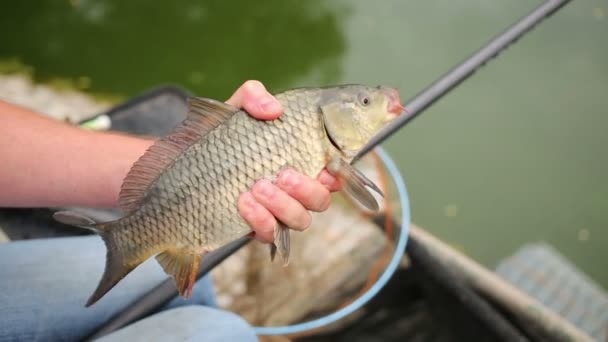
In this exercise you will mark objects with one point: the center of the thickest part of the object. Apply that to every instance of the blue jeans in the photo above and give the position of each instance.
(45, 283)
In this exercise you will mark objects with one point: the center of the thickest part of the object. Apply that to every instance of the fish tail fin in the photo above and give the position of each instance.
(116, 268)
(117, 265)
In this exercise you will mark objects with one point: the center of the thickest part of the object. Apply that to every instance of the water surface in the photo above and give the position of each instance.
(516, 154)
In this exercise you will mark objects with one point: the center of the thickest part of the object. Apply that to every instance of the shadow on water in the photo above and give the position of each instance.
(209, 47)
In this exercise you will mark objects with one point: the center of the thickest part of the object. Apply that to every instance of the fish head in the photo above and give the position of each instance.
(353, 114)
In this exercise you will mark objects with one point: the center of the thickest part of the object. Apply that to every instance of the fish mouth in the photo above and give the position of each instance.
(394, 102)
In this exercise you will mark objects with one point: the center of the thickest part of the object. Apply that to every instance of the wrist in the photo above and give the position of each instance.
(120, 151)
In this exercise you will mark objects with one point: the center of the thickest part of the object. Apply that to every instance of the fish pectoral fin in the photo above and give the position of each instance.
(182, 265)
(355, 183)
(281, 243)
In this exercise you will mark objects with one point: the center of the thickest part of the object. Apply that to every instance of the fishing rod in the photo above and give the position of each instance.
(465, 69)
(164, 292)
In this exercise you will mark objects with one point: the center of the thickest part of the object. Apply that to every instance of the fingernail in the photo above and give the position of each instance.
(289, 179)
(264, 188)
(270, 105)
(247, 199)
(326, 179)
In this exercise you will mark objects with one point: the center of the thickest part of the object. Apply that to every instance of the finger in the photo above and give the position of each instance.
(329, 181)
(257, 216)
(309, 192)
(256, 100)
(284, 207)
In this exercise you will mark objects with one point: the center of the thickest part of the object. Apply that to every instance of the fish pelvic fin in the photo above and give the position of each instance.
(355, 183)
(273, 251)
(281, 243)
(182, 265)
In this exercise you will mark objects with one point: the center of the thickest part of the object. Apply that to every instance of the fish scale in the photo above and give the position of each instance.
(181, 197)
(224, 224)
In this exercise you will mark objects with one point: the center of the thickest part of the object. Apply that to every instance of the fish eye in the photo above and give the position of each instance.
(364, 100)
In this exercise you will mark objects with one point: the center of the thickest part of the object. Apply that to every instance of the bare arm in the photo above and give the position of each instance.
(46, 163)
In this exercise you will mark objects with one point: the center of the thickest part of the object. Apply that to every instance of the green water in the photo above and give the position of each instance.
(516, 154)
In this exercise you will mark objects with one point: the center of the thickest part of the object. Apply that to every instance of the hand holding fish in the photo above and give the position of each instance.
(230, 168)
(291, 197)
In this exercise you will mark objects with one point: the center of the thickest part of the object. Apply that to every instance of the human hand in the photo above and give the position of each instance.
(294, 194)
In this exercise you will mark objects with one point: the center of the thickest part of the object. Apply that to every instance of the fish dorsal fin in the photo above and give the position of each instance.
(203, 116)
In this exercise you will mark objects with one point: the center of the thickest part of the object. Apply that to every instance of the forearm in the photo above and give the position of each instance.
(46, 163)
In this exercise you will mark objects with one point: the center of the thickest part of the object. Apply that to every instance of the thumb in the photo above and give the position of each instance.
(256, 100)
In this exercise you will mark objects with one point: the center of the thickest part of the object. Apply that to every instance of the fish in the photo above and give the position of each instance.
(180, 198)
